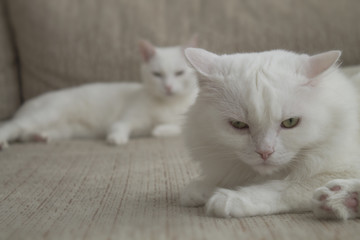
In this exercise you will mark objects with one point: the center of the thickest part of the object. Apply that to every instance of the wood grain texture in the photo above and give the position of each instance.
(88, 190)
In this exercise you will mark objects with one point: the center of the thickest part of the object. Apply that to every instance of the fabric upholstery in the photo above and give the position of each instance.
(88, 190)
(9, 82)
(70, 42)
(83, 189)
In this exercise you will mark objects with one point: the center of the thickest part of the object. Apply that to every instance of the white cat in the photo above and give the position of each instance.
(116, 111)
(268, 129)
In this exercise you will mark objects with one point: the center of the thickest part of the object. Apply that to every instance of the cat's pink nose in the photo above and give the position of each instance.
(265, 154)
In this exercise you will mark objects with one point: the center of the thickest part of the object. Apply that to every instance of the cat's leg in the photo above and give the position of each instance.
(43, 131)
(51, 134)
(338, 199)
(277, 196)
(19, 130)
(249, 201)
(166, 130)
(119, 133)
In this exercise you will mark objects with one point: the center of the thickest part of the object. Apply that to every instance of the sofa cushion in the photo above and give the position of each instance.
(88, 190)
(9, 83)
(70, 42)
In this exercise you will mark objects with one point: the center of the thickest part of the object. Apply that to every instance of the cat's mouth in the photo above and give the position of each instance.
(170, 93)
(266, 168)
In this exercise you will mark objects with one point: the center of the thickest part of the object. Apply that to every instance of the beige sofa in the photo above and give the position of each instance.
(84, 189)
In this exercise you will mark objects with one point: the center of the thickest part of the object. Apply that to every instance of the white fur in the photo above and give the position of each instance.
(116, 111)
(262, 90)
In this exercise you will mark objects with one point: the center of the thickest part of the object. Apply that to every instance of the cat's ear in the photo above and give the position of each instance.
(147, 50)
(319, 63)
(203, 61)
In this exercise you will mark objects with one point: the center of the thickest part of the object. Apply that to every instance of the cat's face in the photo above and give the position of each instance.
(165, 71)
(263, 107)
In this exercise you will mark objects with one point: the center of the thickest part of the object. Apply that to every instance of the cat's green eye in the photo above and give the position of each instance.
(290, 123)
(238, 124)
(179, 73)
(157, 74)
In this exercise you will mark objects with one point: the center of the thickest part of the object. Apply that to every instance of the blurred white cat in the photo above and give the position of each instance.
(269, 130)
(116, 111)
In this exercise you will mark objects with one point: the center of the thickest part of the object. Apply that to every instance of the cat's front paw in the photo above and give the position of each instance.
(117, 139)
(166, 130)
(337, 199)
(220, 204)
(227, 203)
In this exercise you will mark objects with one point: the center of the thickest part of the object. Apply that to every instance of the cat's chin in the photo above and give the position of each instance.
(170, 94)
(266, 169)
(167, 95)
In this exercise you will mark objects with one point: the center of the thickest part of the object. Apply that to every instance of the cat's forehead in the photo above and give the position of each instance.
(168, 59)
(259, 92)
(275, 64)
(262, 72)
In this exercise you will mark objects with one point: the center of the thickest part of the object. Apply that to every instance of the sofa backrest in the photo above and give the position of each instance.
(70, 42)
(9, 81)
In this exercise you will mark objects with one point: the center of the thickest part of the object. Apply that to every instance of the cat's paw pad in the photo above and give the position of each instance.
(40, 137)
(337, 199)
(117, 139)
(166, 131)
(194, 196)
